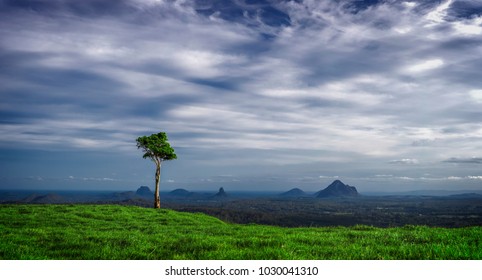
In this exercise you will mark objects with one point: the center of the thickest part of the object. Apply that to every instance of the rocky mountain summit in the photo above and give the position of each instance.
(338, 189)
(221, 193)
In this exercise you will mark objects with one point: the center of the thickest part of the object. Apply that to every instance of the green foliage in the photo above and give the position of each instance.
(128, 232)
(156, 147)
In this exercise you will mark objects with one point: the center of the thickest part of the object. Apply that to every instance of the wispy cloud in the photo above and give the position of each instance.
(404, 161)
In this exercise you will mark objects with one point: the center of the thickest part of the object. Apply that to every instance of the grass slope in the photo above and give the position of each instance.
(127, 232)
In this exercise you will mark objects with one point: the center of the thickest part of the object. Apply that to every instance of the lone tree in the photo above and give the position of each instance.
(158, 150)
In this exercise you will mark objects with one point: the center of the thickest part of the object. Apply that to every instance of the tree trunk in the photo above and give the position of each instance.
(157, 200)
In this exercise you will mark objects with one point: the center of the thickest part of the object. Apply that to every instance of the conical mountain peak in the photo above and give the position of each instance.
(337, 189)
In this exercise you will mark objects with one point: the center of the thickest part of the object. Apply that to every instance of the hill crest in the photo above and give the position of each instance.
(338, 189)
(294, 192)
(144, 191)
(221, 193)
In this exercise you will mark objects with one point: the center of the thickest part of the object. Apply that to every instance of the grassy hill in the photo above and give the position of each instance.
(128, 232)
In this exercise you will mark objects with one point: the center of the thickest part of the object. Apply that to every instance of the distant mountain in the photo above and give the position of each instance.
(294, 192)
(440, 193)
(221, 193)
(47, 199)
(120, 195)
(337, 189)
(181, 193)
(466, 195)
(144, 191)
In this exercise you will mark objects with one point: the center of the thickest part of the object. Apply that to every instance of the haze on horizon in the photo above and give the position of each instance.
(385, 95)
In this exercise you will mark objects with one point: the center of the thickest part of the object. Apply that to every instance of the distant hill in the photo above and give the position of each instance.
(120, 195)
(294, 193)
(441, 193)
(221, 193)
(181, 193)
(144, 191)
(338, 189)
(466, 195)
(47, 199)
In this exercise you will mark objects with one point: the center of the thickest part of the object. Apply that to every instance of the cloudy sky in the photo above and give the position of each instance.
(254, 95)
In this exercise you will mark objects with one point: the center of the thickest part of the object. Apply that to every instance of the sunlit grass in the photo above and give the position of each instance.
(128, 232)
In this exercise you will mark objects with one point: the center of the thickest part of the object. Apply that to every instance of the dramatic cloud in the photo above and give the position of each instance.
(256, 89)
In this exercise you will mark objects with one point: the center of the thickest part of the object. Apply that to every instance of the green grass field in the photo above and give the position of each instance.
(126, 232)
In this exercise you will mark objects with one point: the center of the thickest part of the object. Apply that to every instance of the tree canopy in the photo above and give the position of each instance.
(156, 147)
